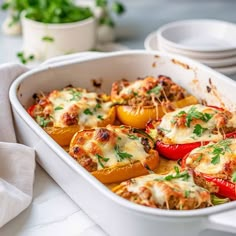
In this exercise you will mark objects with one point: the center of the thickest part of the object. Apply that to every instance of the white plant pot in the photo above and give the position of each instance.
(49, 40)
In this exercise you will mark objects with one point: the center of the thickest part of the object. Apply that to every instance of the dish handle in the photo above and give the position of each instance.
(70, 57)
(224, 221)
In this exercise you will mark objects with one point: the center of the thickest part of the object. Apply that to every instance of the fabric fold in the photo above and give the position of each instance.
(17, 161)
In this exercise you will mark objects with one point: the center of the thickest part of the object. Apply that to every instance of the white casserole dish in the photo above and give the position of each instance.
(115, 215)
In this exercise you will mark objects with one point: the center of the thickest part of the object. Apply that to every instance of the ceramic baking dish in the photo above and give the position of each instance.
(115, 215)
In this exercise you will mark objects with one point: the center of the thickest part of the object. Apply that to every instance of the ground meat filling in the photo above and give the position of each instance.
(172, 194)
(152, 91)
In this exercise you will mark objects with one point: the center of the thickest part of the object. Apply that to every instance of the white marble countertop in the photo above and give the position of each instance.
(52, 212)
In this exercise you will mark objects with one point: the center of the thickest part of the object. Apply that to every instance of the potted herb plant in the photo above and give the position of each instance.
(53, 27)
(57, 27)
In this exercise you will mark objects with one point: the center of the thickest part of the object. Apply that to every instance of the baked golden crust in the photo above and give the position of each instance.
(165, 192)
(147, 91)
(215, 159)
(63, 112)
(148, 98)
(114, 154)
(194, 123)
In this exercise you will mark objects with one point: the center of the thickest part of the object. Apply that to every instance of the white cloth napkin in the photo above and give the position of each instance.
(17, 162)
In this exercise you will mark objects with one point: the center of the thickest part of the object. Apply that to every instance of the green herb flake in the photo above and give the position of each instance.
(176, 168)
(101, 160)
(233, 179)
(23, 58)
(88, 112)
(194, 114)
(43, 122)
(219, 149)
(199, 158)
(199, 130)
(133, 137)
(178, 175)
(156, 90)
(58, 108)
(100, 117)
(187, 193)
(122, 155)
(164, 130)
(216, 159)
(98, 106)
(76, 95)
(48, 39)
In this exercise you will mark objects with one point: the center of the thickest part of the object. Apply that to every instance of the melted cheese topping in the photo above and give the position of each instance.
(161, 194)
(119, 143)
(133, 87)
(81, 104)
(213, 158)
(184, 134)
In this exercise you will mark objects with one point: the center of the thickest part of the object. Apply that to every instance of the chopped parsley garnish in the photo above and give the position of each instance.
(187, 193)
(88, 112)
(199, 158)
(76, 95)
(58, 108)
(178, 175)
(48, 39)
(122, 155)
(42, 121)
(98, 105)
(219, 148)
(233, 179)
(133, 137)
(164, 130)
(156, 90)
(216, 159)
(100, 117)
(23, 58)
(194, 114)
(101, 160)
(199, 130)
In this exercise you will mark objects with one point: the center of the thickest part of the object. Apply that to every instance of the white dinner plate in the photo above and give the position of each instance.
(228, 70)
(197, 55)
(204, 35)
(224, 65)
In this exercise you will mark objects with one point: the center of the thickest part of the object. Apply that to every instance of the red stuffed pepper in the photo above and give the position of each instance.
(214, 167)
(179, 132)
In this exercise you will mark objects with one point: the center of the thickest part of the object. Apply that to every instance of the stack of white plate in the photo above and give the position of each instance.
(211, 42)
